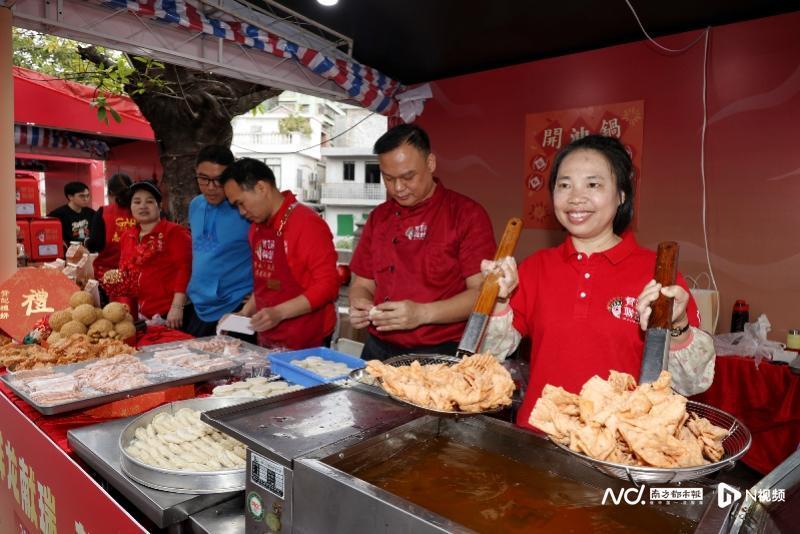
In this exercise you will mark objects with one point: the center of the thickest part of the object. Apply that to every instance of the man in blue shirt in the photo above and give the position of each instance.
(222, 274)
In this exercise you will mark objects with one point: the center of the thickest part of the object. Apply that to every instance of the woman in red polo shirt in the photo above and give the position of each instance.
(160, 252)
(586, 302)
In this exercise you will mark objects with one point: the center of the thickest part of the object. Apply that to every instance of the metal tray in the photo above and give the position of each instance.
(97, 400)
(187, 344)
(179, 481)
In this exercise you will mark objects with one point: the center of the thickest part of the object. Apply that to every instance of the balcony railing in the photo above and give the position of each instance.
(263, 138)
(353, 191)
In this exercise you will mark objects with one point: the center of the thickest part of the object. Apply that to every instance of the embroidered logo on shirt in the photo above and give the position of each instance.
(265, 249)
(624, 308)
(417, 233)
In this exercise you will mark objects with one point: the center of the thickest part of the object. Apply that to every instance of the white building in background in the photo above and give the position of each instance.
(295, 158)
(353, 185)
(331, 168)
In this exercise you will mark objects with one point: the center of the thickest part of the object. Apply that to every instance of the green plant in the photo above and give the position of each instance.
(294, 124)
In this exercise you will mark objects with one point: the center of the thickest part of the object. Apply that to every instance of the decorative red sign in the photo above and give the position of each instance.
(43, 490)
(546, 133)
(32, 294)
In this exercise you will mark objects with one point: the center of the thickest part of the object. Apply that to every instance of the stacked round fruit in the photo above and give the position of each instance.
(113, 321)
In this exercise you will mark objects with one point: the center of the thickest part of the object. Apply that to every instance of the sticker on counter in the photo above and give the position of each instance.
(255, 505)
(266, 474)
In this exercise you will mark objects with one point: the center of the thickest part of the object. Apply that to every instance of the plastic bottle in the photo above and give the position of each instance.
(793, 340)
(740, 316)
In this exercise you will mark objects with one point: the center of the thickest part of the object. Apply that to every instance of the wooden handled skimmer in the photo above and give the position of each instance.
(482, 311)
(656, 342)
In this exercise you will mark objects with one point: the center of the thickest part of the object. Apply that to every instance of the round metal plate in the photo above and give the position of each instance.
(174, 480)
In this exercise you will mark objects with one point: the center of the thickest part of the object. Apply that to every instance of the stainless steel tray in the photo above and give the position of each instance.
(179, 481)
(104, 398)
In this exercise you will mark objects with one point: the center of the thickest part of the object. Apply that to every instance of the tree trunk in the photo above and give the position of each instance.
(187, 110)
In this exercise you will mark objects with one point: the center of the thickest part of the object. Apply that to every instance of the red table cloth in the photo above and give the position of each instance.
(766, 399)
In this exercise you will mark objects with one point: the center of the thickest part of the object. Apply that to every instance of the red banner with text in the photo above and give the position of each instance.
(546, 133)
(43, 490)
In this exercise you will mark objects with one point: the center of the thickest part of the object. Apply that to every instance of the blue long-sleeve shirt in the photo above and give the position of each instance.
(222, 272)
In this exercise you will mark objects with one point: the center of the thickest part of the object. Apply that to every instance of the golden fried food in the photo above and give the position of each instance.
(64, 350)
(475, 384)
(616, 421)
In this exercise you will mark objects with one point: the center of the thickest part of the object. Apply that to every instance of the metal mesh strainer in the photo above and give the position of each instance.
(736, 445)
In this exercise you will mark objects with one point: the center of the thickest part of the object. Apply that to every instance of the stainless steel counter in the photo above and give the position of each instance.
(223, 518)
(98, 446)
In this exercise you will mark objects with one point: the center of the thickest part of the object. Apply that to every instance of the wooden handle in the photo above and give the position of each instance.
(666, 273)
(489, 288)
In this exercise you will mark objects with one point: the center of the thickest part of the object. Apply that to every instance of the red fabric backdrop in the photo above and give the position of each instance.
(766, 399)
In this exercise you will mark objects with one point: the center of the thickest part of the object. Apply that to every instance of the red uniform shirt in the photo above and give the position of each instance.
(581, 314)
(164, 258)
(117, 221)
(311, 256)
(424, 253)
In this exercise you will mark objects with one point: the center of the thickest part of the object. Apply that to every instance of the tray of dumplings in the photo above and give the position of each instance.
(170, 449)
(64, 388)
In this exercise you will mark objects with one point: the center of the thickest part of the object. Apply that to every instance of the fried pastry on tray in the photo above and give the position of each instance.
(475, 384)
(614, 420)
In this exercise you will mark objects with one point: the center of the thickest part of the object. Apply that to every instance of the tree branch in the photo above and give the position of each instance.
(246, 102)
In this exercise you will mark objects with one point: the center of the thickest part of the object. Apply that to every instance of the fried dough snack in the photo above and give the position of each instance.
(616, 421)
(475, 384)
(73, 349)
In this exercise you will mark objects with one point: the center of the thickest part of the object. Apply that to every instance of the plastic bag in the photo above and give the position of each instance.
(155, 320)
(752, 342)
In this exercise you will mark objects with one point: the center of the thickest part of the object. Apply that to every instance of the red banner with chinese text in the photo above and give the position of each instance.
(31, 294)
(44, 490)
(546, 133)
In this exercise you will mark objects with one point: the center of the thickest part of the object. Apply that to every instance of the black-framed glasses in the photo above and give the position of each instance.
(205, 180)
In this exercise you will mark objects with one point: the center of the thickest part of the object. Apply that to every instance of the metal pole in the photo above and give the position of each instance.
(8, 210)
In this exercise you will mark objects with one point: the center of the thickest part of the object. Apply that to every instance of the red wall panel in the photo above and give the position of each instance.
(752, 168)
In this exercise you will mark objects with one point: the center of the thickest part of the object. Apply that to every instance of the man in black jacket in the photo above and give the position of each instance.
(75, 215)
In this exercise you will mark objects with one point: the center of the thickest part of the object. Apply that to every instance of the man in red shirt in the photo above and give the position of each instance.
(417, 264)
(295, 282)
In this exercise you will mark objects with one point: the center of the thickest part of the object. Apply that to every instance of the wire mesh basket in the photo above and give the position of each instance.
(736, 445)
(427, 359)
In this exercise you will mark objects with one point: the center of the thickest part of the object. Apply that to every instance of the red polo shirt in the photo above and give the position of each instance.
(311, 255)
(164, 257)
(424, 253)
(581, 314)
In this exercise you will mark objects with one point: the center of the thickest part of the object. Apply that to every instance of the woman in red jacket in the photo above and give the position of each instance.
(160, 252)
(109, 223)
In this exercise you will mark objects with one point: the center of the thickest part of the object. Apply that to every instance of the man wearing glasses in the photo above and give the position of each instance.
(75, 215)
(222, 274)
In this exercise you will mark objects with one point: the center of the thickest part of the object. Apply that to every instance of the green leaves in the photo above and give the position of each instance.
(294, 123)
(100, 102)
(59, 58)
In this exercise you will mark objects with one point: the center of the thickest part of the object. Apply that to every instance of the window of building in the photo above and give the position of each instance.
(349, 171)
(344, 224)
(373, 173)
